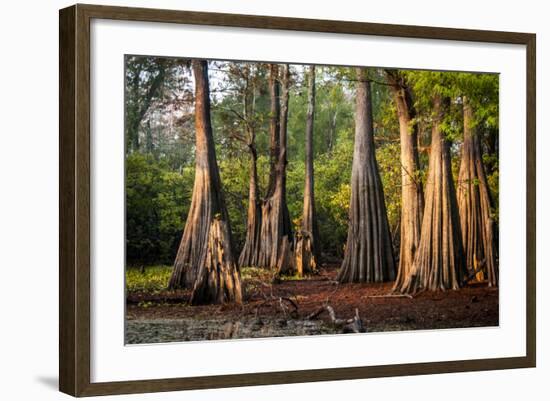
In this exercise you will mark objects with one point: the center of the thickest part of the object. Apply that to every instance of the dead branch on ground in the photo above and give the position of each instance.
(391, 296)
(353, 325)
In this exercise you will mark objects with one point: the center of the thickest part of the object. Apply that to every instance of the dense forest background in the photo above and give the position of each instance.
(160, 145)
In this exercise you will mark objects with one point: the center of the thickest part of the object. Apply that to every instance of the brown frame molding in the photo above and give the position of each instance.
(74, 199)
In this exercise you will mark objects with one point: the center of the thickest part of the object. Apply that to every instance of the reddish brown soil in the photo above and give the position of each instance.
(472, 306)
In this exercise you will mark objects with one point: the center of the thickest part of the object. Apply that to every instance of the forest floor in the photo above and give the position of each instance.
(282, 309)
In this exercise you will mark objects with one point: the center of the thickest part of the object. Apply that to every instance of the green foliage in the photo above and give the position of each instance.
(332, 193)
(234, 174)
(482, 91)
(491, 161)
(333, 114)
(157, 202)
(149, 279)
(295, 190)
(390, 173)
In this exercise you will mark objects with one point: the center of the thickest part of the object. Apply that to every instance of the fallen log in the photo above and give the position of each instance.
(280, 301)
(316, 313)
(354, 325)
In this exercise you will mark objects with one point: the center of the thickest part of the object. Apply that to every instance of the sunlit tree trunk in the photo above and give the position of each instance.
(474, 204)
(439, 261)
(204, 261)
(306, 239)
(276, 231)
(412, 198)
(368, 255)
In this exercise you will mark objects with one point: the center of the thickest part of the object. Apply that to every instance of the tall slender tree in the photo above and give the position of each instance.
(368, 256)
(283, 141)
(412, 197)
(276, 231)
(474, 204)
(274, 126)
(306, 239)
(205, 261)
(251, 250)
(439, 261)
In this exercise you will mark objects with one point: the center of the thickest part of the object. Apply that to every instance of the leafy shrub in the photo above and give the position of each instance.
(157, 202)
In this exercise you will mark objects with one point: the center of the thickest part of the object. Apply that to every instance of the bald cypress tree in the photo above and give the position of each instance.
(439, 261)
(475, 204)
(276, 230)
(251, 250)
(368, 255)
(306, 239)
(412, 196)
(205, 261)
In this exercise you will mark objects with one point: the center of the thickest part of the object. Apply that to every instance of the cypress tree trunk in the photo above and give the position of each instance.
(281, 170)
(204, 261)
(368, 256)
(412, 197)
(306, 239)
(474, 204)
(276, 228)
(274, 126)
(439, 261)
(251, 250)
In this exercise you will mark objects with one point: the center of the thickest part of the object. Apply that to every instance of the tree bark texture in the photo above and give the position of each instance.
(474, 204)
(439, 261)
(274, 126)
(218, 280)
(306, 239)
(251, 251)
(283, 143)
(205, 261)
(412, 197)
(275, 217)
(368, 255)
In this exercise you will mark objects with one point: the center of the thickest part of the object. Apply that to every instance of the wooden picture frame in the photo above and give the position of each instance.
(74, 204)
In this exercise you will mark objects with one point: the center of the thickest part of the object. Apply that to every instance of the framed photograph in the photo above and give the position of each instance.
(249, 200)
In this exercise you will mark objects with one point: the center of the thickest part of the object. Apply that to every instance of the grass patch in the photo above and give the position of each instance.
(294, 277)
(151, 279)
(154, 279)
(266, 275)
